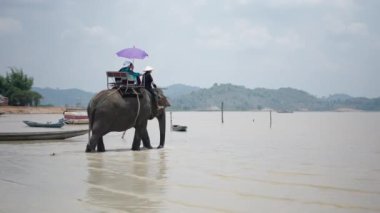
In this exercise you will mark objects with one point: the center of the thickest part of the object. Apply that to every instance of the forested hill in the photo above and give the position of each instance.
(283, 99)
(64, 97)
(184, 97)
(178, 90)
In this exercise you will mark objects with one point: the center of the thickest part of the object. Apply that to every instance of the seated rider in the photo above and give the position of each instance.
(132, 76)
(147, 80)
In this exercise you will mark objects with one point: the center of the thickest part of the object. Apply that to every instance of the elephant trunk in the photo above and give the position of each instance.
(162, 124)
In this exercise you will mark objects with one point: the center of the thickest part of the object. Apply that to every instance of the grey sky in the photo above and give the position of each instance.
(320, 46)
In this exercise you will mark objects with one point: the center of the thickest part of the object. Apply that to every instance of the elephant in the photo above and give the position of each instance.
(112, 110)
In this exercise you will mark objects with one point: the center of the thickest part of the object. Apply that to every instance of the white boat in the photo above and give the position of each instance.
(79, 117)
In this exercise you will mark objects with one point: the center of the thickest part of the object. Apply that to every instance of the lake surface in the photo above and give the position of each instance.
(307, 162)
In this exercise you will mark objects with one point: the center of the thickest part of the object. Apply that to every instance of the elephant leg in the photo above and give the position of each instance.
(101, 147)
(162, 124)
(92, 143)
(88, 148)
(136, 141)
(145, 138)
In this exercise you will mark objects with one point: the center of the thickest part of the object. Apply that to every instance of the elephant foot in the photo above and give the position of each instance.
(101, 147)
(160, 146)
(135, 148)
(148, 147)
(88, 148)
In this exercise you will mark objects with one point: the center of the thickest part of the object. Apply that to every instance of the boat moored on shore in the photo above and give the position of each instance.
(51, 135)
(59, 124)
(76, 117)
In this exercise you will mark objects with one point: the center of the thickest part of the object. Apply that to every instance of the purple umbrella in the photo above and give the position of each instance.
(132, 53)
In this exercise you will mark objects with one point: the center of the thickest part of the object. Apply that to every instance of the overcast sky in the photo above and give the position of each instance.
(320, 46)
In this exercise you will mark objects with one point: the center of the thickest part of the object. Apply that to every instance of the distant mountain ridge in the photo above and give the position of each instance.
(338, 97)
(177, 90)
(284, 99)
(183, 97)
(64, 97)
(241, 98)
(80, 98)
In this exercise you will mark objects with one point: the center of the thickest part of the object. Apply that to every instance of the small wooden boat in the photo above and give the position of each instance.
(179, 128)
(53, 135)
(79, 117)
(59, 124)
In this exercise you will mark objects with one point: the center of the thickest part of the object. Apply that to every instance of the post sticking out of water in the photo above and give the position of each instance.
(171, 121)
(222, 112)
(270, 119)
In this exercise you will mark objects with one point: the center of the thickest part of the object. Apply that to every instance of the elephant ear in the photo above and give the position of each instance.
(162, 100)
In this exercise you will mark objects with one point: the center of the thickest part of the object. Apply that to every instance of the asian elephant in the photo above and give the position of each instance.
(110, 111)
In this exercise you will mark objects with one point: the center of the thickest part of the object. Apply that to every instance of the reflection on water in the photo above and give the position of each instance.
(129, 182)
(307, 162)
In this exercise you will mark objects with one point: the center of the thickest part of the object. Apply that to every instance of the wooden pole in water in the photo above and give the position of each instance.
(270, 119)
(222, 112)
(171, 122)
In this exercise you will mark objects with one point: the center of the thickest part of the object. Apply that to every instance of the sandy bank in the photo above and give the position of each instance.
(31, 110)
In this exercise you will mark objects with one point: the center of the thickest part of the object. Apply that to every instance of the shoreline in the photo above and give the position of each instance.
(61, 110)
(31, 110)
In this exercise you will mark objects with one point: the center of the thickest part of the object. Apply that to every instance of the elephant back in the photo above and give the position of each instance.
(100, 98)
(104, 96)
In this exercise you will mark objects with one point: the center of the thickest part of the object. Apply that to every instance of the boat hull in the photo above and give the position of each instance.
(75, 117)
(179, 128)
(76, 121)
(54, 135)
(44, 125)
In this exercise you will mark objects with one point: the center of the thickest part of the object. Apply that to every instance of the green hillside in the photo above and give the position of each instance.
(283, 99)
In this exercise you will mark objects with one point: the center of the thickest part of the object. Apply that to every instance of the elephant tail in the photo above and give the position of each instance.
(90, 124)
(91, 116)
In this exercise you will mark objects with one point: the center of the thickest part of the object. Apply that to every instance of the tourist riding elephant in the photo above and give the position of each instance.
(109, 111)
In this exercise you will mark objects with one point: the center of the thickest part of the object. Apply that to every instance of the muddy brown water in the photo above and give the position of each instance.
(307, 162)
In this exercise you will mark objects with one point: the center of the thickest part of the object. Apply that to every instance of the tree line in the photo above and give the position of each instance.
(16, 86)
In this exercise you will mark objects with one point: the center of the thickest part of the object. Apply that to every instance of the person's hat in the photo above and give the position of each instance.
(127, 64)
(148, 68)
